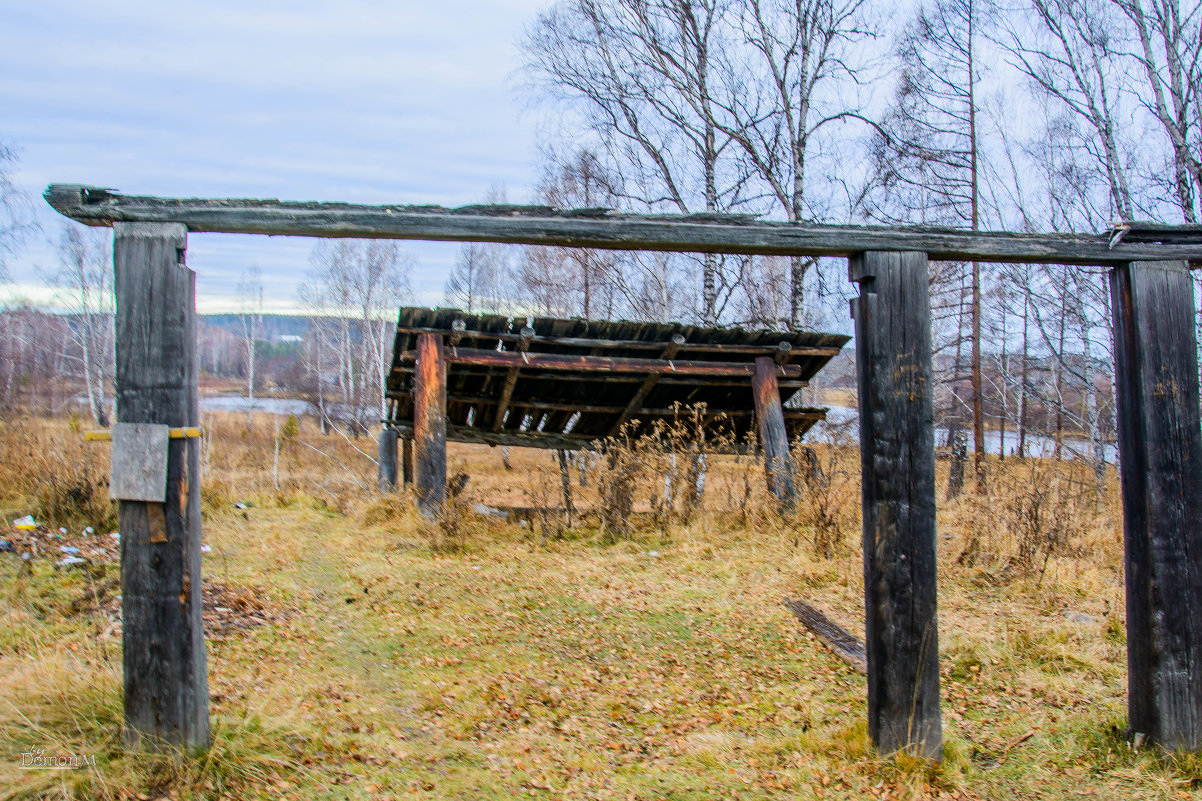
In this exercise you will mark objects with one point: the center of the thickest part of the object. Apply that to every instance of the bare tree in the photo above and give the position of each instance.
(641, 75)
(85, 287)
(16, 214)
(353, 292)
(792, 81)
(480, 281)
(1170, 56)
(250, 316)
(929, 166)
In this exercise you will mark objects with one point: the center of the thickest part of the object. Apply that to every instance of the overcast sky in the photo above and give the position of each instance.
(360, 101)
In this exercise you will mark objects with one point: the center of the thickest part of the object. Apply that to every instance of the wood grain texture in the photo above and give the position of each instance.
(596, 228)
(897, 457)
(407, 461)
(386, 461)
(430, 425)
(166, 678)
(1160, 449)
(842, 642)
(774, 439)
(603, 364)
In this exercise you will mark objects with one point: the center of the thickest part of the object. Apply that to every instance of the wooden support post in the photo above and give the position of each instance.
(670, 350)
(511, 379)
(386, 477)
(407, 461)
(897, 461)
(774, 438)
(166, 677)
(565, 479)
(430, 424)
(1160, 449)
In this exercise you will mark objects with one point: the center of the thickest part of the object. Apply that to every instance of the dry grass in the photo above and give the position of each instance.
(660, 666)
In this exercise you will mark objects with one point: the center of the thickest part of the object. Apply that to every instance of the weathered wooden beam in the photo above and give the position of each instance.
(897, 459)
(386, 478)
(774, 438)
(163, 653)
(641, 412)
(842, 642)
(630, 344)
(565, 481)
(669, 351)
(511, 379)
(595, 228)
(602, 364)
(1160, 445)
(430, 424)
(407, 461)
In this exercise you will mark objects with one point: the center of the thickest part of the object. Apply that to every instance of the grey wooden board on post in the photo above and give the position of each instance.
(897, 458)
(1160, 450)
(600, 228)
(138, 464)
(166, 697)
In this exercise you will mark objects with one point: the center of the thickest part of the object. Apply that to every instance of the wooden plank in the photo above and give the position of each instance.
(897, 458)
(430, 424)
(602, 364)
(774, 439)
(842, 642)
(641, 412)
(386, 461)
(163, 653)
(1160, 445)
(596, 228)
(634, 344)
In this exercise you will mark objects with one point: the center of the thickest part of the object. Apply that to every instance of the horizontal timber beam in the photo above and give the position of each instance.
(600, 228)
(632, 344)
(535, 405)
(607, 364)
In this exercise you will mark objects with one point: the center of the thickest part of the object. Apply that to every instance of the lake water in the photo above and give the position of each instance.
(240, 403)
(845, 421)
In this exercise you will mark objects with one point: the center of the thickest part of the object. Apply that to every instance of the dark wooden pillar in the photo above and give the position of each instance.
(166, 679)
(407, 461)
(774, 439)
(897, 458)
(430, 424)
(1160, 450)
(386, 456)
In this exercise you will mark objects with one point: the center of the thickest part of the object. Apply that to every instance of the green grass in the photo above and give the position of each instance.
(507, 668)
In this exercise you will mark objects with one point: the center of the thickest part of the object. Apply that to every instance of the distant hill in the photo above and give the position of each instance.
(274, 325)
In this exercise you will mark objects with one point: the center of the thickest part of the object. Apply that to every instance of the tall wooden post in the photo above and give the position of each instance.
(407, 461)
(1160, 450)
(774, 439)
(386, 475)
(430, 424)
(166, 678)
(897, 462)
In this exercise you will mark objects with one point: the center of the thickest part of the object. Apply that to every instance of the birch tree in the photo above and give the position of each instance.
(85, 288)
(793, 80)
(641, 75)
(250, 319)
